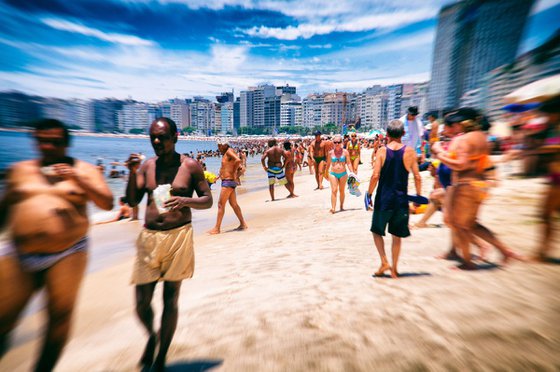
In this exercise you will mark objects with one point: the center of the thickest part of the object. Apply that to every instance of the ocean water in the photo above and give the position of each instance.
(17, 146)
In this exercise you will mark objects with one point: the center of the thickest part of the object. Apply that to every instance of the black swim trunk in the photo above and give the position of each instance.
(397, 220)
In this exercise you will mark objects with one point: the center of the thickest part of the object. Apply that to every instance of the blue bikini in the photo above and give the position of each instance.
(342, 159)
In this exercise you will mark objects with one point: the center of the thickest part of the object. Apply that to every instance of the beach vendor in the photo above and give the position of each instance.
(165, 249)
(45, 211)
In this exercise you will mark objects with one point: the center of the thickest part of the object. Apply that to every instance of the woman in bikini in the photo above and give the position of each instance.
(338, 161)
(353, 148)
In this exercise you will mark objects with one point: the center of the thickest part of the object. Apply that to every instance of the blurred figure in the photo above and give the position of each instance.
(467, 157)
(551, 200)
(45, 210)
(228, 174)
(165, 249)
(413, 130)
(390, 174)
(124, 212)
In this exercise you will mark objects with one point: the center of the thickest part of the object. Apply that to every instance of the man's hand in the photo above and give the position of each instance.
(65, 171)
(176, 203)
(133, 162)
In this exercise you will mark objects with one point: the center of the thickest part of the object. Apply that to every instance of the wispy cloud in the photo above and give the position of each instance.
(364, 23)
(65, 25)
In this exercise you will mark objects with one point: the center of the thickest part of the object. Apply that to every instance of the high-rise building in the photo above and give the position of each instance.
(285, 90)
(312, 105)
(226, 118)
(17, 109)
(136, 116)
(202, 115)
(289, 105)
(394, 98)
(372, 110)
(473, 37)
(105, 114)
(236, 115)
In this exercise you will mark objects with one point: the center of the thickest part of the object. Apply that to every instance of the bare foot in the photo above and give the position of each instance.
(241, 227)
(332, 211)
(382, 269)
(394, 273)
(511, 255)
(468, 266)
(321, 187)
(214, 231)
(148, 357)
(292, 196)
(342, 209)
(317, 188)
(450, 256)
(419, 225)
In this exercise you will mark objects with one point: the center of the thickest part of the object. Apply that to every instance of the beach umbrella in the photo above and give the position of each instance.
(536, 124)
(538, 91)
(519, 107)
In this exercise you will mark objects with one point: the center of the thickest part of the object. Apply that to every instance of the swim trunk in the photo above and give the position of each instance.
(166, 255)
(319, 159)
(276, 174)
(35, 262)
(396, 219)
(229, 183)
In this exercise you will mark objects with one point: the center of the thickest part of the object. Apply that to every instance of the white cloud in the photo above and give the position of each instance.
(68, 26)
(390, 20)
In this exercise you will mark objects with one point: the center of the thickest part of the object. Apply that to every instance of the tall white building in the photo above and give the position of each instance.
(312, 106)
(136, 116)
(202, 115)
(372, 109)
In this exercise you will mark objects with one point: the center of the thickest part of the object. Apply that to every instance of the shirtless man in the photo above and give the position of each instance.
(467, 157)
(290, 167)
(318, 152)
(275, 166)
(45, 211)
(165, 246)
(228, 174)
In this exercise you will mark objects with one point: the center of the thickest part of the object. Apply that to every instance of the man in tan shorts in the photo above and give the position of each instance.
(45, 211)
(165, 246)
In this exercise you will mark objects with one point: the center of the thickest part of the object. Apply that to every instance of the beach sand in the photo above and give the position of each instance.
(295, 292)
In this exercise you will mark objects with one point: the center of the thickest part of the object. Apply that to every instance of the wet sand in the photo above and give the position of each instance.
(296, 292)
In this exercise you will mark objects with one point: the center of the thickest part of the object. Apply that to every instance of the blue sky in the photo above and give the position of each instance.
(152, 50)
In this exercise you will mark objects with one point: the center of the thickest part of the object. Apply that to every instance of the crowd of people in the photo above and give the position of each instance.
(45, 208)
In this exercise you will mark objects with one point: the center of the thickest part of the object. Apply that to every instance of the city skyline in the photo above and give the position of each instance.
(119, 49)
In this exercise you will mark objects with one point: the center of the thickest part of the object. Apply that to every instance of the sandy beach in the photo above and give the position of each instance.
(295, 292)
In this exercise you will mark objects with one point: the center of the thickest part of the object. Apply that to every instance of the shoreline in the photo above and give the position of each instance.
(295, 292)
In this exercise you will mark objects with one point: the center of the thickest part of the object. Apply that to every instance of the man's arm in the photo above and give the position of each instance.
(311, 149)
(4, 203)
(136, 186)
(413, 166)
(348, 162)
(379, 159)
(263, 158)
(90, 180)
(204, 199)
(460, 162)
(236, 160)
